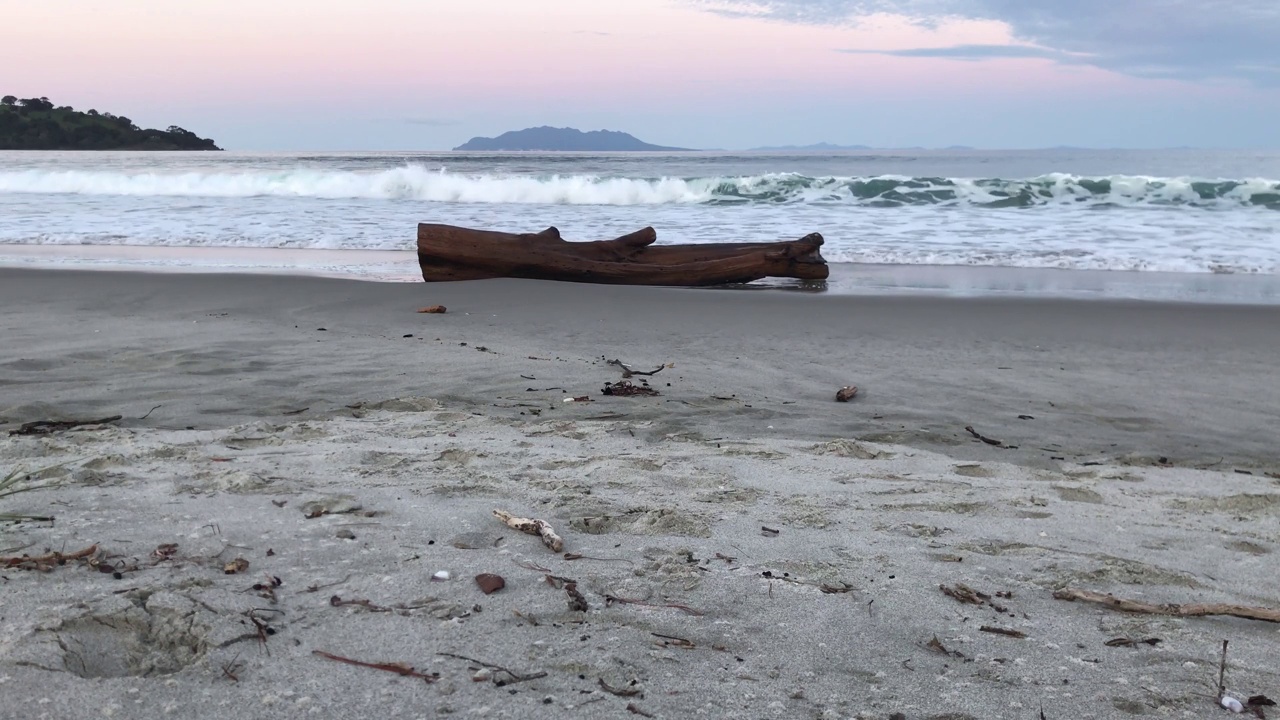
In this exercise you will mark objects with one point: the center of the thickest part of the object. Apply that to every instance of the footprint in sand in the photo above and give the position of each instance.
(1245, 546)
(1078, 494)
(850, 449)
(646, 521)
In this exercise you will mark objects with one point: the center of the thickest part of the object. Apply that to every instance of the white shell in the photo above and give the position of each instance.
(441, 575)
(1232, 704)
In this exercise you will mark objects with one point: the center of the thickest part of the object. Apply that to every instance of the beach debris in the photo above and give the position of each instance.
(963, 593)
(1255, 704)
(238, 565)
(936, 645)
(768, 531)
(47, 562)
(1008, 632)
(164, 551)
(47, 427)
(968, 595)
(635, 710)
(580, 398)
(402, 669)
(1169, 609)
(440, 576)
(628, 371)
(609, 600)
(624, 388)
(490, 583)
(434, 310)
(984, 438)
(576, 556)
(529, 526)
(1132, 642)
(846, 393)
(267, 590)
(336, 601)
(18, 481)
(263, 629)
(629, 690)
(230, 668)
(345, 534)
(512, 676)
(577, 603)
(449, 253)
(674, 641)
(318, 588)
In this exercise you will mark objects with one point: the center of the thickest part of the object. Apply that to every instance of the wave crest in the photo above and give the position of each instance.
(416, 182)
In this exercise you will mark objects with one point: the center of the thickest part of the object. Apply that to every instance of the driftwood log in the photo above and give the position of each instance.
(448, 253)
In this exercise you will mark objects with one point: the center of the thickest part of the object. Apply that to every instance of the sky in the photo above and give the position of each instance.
(731, 74)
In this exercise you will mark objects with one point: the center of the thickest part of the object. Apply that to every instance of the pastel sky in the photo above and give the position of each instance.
(429, 74)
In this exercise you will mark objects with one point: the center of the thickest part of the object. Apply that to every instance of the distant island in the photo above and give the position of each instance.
(828, 147)
(563, 140)
(816, 147)
(36, 124)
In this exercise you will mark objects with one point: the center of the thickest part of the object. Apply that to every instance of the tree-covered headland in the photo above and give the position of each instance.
(37, 124)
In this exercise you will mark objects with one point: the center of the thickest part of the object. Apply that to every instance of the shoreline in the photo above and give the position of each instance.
(400, 266)
(1112, 371)
(745, 545)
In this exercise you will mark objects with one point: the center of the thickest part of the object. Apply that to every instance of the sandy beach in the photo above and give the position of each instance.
(745, 545)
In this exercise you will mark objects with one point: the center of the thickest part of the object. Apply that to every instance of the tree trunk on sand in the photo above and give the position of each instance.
(446, 253)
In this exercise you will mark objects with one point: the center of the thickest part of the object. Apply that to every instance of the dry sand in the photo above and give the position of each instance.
(660, 500)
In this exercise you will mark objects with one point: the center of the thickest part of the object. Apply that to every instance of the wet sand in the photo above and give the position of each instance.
(1139, 466)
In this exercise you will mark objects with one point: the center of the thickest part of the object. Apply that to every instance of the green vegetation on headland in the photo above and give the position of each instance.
(35, 124)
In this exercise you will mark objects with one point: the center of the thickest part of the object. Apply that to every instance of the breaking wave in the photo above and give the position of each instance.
(417, 182)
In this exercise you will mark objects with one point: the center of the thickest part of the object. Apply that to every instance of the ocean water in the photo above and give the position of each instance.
(1171, 211)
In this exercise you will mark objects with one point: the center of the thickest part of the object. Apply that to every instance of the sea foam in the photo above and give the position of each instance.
(417, 182)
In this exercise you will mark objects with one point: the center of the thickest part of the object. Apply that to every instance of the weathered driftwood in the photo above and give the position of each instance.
(1170, 609)
(447, 253)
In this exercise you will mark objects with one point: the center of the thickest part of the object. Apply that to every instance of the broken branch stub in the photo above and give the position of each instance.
(529, 526)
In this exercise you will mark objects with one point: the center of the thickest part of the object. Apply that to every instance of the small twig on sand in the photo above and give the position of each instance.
(635, 710)
(674, 641)
(398, 668)
(1173, 610)
(264, 630)
(575, 556)
(983, 438)
(336, 601)
(627, 370)
(45, 427)
(46, 562)
(610, 599)
(144, 417)
(529, 526)
(964, 594)
(515, 676)
(230, 669)
(1222, 672)
(1003, 631)
(316, 588)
